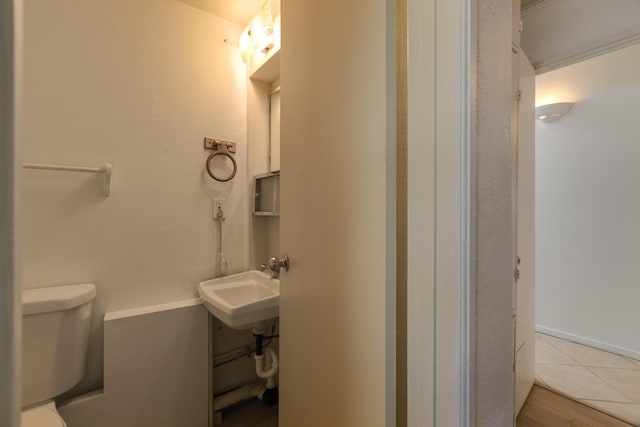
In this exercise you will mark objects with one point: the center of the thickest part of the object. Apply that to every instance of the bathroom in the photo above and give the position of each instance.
(140, 85)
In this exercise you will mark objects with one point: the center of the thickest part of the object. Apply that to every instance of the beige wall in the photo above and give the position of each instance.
(138, 83)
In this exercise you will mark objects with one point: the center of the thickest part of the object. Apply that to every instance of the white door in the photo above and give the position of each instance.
(334, 223)
(525, 289)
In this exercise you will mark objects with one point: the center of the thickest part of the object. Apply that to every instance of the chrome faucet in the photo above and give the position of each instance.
(274, 269)
(275, 264)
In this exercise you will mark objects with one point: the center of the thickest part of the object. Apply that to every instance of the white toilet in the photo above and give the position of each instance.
(55, 331)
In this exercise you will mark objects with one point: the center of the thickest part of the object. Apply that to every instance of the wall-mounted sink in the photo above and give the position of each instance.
(242, 300)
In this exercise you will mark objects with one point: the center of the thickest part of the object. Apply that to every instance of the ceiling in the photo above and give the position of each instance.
(556, 32)
(237, 11)
(560, 32)
(241, 11)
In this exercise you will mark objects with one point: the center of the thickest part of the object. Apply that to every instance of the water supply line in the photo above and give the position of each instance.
(222, 260)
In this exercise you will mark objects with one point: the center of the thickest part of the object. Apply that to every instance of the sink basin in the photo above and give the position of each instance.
(242, 300)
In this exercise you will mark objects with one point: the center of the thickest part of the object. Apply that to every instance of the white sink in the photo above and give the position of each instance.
(242, 300)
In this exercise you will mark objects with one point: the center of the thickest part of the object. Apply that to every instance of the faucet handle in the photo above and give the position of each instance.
(276, 264)
(262, 267)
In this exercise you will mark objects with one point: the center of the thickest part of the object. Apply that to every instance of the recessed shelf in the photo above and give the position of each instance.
(266, 194)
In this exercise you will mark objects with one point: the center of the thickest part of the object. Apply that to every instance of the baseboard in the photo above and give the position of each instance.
(589, 342)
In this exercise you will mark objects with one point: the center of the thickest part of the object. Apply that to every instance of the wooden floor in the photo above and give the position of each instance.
(544, 408)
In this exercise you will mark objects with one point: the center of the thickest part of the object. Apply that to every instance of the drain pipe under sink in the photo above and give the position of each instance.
(267, 393)
(269, 358)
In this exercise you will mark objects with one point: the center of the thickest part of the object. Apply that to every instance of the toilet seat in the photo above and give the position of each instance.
(44, 415)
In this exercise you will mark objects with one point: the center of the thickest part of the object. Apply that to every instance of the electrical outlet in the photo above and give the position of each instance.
(218, 205)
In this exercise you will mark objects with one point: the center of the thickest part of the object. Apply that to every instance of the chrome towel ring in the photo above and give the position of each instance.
(222, 148)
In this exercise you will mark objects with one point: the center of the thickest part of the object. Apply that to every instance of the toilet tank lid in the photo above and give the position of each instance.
(55, 298)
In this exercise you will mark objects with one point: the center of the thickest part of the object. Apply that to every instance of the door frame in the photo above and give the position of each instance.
(10, 290)
(460, 329)
(441, 211)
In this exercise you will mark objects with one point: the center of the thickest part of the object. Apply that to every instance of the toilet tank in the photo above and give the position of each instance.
(55, 332)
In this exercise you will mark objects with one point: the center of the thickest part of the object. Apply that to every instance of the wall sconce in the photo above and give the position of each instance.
(261, 35)
(553, 112)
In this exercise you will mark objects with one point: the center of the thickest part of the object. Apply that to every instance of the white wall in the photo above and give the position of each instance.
(258, 137)
(587, 201)
(138, 83)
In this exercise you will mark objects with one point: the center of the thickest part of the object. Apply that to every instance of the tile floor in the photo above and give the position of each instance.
(605, 381)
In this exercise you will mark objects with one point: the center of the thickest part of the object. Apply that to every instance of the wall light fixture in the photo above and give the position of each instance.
(553, 112)
(261, 35)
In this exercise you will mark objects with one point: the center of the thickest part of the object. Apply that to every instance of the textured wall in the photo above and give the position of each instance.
(494, 245)
(138, 84)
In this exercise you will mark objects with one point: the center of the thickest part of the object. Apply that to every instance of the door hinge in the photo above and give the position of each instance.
(516, 273)
(519, 95)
